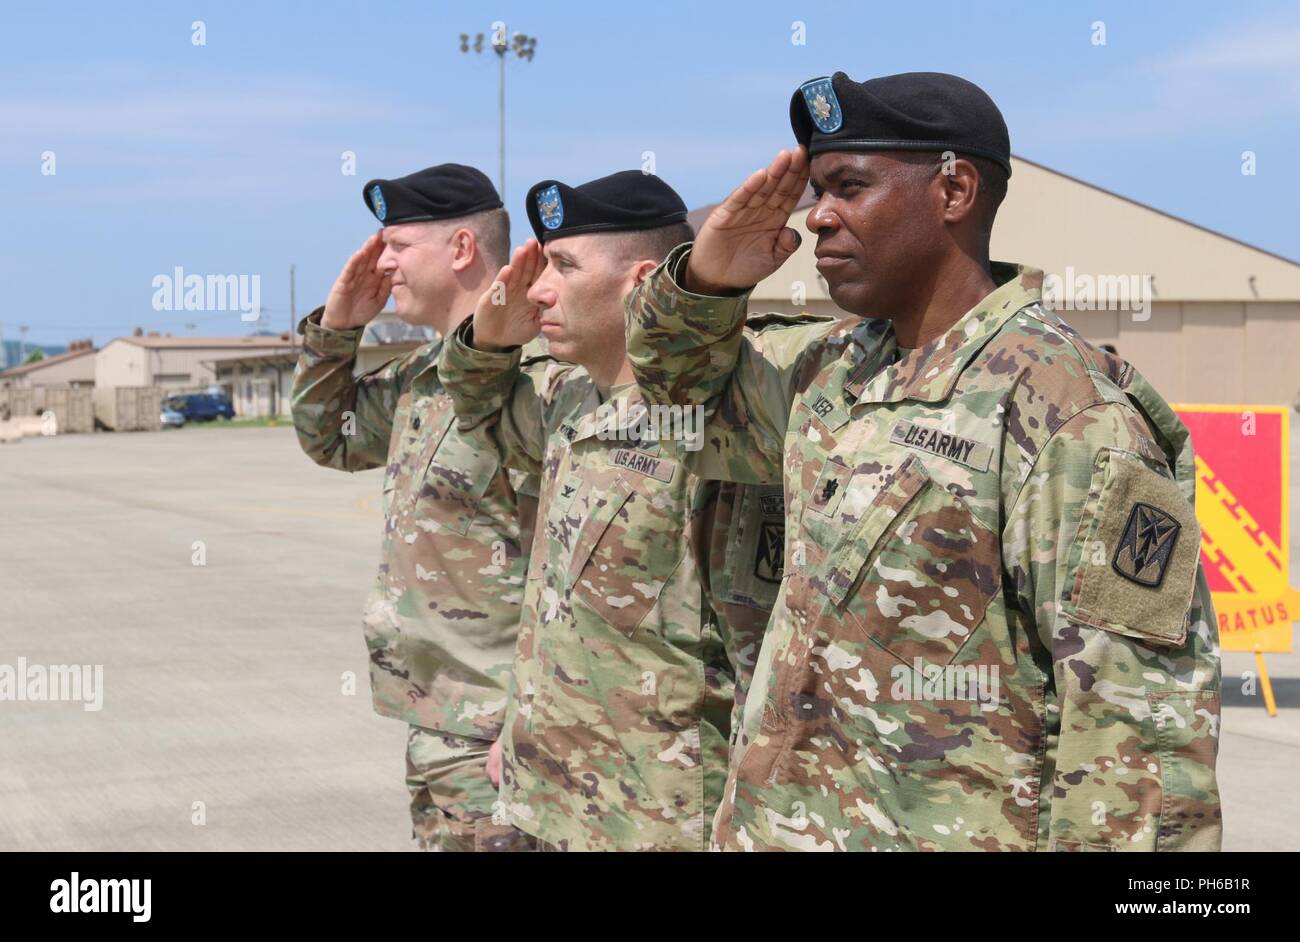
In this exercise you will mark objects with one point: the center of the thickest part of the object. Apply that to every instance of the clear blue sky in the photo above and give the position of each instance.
(225, 158)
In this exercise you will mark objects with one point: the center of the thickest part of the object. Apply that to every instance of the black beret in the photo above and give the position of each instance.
(442, 192)
(621, 202)
(927, 111)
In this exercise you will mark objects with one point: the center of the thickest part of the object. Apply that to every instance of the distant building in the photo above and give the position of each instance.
(75, 367)
(175, 362)
(1223, 320)
(261, 384)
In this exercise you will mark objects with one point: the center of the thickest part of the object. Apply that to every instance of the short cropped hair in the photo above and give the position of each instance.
(491, 229)
(993, 181)
(653, 244)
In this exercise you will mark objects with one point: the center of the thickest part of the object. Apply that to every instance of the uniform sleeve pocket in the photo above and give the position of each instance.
(1135, 557)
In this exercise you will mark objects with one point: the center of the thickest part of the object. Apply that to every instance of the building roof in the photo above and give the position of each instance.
(286, 358)
(278, 358)
(224, 343)
(26, 368)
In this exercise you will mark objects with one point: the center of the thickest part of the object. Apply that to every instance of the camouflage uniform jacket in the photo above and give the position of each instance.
(617, 730)
(442, 616)
(994, 631)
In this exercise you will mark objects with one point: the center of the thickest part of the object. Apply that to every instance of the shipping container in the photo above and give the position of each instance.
(73, 408)
(17, 401)
(128, 408)
(149, 408)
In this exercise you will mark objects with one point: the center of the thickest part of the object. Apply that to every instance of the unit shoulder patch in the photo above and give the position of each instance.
(1147, 546)
(1134, 562)
(769, 557)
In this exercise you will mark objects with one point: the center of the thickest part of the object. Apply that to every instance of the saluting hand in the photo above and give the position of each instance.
(361, 291)
(504, 316)
(746, 238)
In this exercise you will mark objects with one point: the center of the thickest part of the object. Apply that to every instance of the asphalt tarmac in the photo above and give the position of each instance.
(234, 707)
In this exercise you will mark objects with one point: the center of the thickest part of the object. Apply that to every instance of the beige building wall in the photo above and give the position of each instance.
(125, 362)
(185, 367)
(121, 363)
(1272, 368)
(74, 371)
(372, 357)
(258, 392)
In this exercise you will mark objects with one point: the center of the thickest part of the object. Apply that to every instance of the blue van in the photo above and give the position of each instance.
(200, 407)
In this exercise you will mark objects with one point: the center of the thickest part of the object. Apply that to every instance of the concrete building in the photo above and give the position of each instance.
(258, 385)
(1223, 320)
(261, 384)
(75, 367)
(175, 362)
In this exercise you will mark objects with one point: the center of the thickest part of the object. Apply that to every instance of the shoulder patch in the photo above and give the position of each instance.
(769, 557)
(1135, 559)
(1147, 545)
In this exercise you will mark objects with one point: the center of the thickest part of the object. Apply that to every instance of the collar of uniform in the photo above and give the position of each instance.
(429, 354)
(623, 408)
(929, 372)
(875, 346)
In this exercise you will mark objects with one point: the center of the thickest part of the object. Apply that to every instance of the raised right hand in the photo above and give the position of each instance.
(360, 292)
(504, 316)
(745, 238)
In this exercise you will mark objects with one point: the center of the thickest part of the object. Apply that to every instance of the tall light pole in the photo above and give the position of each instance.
(524, 47)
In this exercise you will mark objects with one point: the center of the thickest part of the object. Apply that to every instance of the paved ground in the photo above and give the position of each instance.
(223, 682)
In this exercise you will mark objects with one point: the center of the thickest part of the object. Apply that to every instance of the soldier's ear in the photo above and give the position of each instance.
(464, 249)
(643, 269)
(961, 182)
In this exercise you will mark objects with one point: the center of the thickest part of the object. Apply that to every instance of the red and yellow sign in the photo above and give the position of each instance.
(1243, 507)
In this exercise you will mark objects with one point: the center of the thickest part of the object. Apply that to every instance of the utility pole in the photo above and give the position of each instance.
(22, 344)
(524, 47)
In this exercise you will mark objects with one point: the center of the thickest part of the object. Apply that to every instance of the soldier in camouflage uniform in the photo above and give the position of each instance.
(441, 620)
(617, 732)
(994, 631)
